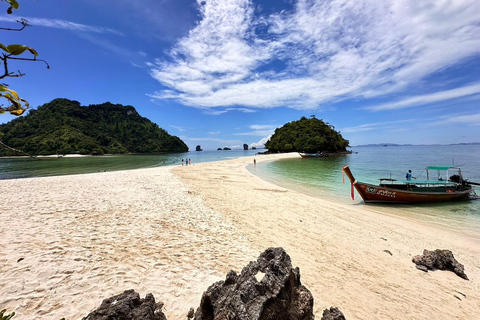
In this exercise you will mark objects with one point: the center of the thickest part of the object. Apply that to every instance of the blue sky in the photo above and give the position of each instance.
(224, 73)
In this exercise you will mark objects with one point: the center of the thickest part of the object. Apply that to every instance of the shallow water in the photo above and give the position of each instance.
(323, 178)
(14, 168)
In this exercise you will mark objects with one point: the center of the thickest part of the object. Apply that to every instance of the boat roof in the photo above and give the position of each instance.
(441, 168)
(433, 182)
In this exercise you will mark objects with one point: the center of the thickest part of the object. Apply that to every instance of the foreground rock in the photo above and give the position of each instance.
(267, 289)
(128, 306)
(332, 314)
(441, 260)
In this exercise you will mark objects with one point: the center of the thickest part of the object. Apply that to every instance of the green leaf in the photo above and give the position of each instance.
(16, 49)
(13, 3)
(16, 108)
(2, 46)
(14, 93)
(35, 53)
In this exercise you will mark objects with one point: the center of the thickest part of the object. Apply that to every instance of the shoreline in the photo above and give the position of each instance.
(410, 212)
(71, 241)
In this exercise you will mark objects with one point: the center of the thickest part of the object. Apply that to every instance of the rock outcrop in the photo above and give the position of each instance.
(266, 289)
(332, 314)
(128, 306)
(441, 260)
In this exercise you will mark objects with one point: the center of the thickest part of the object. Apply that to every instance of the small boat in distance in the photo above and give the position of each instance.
(416, 191)
(311, 155)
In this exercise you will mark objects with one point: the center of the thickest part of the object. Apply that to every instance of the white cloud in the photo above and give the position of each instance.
(385, 125)
(320, 51)
(260, 133)
(258, 130)
(263, 127)
(63, 24)
(261, 143)
(464, 119)
(181, 129)
(429, 98)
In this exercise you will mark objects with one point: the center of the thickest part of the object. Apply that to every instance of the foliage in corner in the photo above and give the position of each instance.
(4, 316)
(307, 135)
(16, 105)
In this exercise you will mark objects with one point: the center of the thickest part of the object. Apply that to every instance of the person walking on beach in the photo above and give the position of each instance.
(254, 161)
(189, 161)
(182, 162)
(409, 175)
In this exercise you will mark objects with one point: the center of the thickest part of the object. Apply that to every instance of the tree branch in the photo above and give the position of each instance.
(23, 22)
(19, 74)
(16, 150)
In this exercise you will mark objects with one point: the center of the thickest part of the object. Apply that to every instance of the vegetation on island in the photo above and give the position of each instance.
(307, 135)
(65, 127)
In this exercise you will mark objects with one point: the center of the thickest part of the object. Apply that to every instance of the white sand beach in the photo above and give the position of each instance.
(68, 242)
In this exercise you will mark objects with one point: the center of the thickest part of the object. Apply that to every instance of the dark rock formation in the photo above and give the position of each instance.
(245, 146)
(267, 289)
(441, 260)
(128, 306)
(332, 314)
(199, 148)
(190, 313)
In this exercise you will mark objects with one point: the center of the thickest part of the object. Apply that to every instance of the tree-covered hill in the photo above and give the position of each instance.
(307, 135)
(65, 127)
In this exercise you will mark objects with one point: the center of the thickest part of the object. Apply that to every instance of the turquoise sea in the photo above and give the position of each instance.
(323, 178)
(317, 177)
(13, 168)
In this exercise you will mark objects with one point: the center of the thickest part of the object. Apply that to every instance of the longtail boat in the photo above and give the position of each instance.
(416, 191)
(311, 155)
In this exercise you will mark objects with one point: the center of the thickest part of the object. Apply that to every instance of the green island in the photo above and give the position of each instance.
(307, 135)
(63, 126)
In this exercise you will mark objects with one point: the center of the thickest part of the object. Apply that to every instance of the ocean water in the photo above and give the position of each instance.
(323, 178)
(14, 168)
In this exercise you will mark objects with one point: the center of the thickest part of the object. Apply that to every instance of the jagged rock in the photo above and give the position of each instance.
(266, 289)
(332, 314)
(441, 260)
(191, 313)
(128, 306)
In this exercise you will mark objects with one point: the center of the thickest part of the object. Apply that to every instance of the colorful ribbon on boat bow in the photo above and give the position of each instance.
(351, 183)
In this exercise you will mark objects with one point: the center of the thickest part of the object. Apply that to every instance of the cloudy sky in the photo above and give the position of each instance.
(222, 73)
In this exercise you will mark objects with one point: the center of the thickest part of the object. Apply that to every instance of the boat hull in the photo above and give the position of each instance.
(311, 155)
(372, 193)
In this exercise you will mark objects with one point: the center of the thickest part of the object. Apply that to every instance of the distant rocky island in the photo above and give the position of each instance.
(63, 126)
(413, 145)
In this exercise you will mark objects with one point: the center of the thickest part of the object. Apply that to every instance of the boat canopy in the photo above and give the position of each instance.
(441, 168)
(432, 182)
